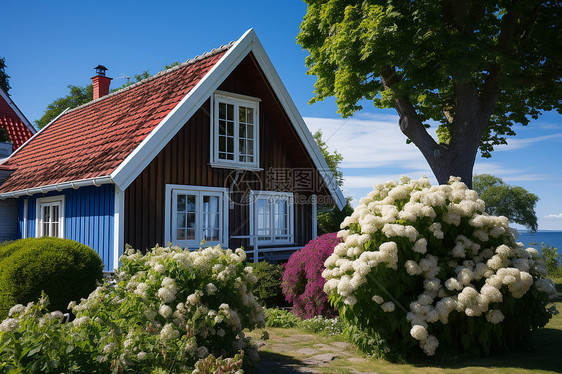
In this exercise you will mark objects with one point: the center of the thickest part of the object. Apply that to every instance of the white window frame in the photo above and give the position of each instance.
(172, 190)
(269, 195)
(236, 100)
(49, 201)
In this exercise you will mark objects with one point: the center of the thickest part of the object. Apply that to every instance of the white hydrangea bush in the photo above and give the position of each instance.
(168, 309)
(424, 266)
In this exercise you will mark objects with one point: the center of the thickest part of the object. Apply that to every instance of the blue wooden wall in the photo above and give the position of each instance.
(88, 218)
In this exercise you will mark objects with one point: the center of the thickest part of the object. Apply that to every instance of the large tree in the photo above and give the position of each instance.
(515, 203)
(476, 68)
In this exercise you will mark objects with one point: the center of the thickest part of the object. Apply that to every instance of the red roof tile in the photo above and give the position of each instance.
(94, 139)
(11, 121)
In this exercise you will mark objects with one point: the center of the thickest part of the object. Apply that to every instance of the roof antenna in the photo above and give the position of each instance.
(123, 76)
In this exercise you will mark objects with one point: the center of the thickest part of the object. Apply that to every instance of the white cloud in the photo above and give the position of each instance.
(555, 216)
(518, 143)
(369, 141)
(506, 173)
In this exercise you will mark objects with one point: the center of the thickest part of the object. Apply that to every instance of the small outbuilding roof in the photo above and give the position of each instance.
(12, 119)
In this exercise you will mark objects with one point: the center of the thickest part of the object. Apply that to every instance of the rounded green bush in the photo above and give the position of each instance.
(268, 287)
(66, 270)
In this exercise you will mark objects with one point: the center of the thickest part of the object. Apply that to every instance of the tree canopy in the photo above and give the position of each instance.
(77, 96)
(475, 68)
(4, 78)
(501, 199)
(330, 218)
(332, 159)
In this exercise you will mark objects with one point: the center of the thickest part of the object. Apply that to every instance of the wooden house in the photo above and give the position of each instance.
(212, 151)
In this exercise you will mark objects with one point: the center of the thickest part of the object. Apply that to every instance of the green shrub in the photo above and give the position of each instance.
(268, 287)
(280, 318)
(166, 312)
(66, 270)
(551, 259)
(4, 136)
(323, 325)
(422, 267)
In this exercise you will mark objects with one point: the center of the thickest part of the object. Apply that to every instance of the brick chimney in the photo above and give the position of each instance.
(100, 82)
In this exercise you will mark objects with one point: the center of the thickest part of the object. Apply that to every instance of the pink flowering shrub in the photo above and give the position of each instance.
(303, 284)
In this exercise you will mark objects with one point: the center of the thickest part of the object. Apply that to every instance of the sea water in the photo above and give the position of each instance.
(534, 239)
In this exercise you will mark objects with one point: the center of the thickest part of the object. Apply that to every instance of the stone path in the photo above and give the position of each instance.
(287, 355)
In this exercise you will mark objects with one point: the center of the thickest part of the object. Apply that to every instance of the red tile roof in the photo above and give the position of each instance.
(11, 121)
(94, 139)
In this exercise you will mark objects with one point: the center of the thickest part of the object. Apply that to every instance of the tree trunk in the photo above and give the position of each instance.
(472, 112)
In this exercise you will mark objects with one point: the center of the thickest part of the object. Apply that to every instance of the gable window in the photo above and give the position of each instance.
(196, 214)
(50, 217)
(235, 131)
(272, 217)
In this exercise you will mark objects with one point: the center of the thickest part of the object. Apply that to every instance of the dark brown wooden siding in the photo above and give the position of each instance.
(185, 161)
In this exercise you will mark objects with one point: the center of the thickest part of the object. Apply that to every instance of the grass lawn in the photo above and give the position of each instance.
(295, 348)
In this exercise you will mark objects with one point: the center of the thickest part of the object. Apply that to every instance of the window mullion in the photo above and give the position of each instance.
(198, 225)
(272, 218)
(236, 133)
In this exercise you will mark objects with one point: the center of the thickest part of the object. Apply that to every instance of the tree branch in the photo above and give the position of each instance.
(409, 123)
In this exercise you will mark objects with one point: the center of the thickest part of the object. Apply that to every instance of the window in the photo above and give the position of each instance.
(50, 216)
(272, 217)
(235, 131)
(195, 214)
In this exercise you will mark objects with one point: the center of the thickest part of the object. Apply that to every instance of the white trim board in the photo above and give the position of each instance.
(118, 226)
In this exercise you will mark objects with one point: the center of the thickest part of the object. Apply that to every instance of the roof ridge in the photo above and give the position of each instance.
(191, 61)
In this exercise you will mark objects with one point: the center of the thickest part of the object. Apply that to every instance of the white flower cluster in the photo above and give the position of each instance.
(467, 277)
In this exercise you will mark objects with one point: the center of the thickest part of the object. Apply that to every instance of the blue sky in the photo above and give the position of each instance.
(48, 45)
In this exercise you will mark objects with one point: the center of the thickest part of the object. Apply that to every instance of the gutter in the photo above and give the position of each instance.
(97, 181)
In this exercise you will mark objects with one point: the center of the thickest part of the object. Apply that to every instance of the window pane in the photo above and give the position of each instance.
(55, 212)
(230, 112)
(180, 233)
(222, 144)
(47, 214)
(181, 203)
(230, 128)
(242, 114)
(210, 204)
(242, 130)
(230, 145)
(222, 128)
(45, 228)
(250, 147)
(250, 132)
(55, 230)
(190, 234)
(250, 115)
(261, 206)
(182, 221)
(191, 203)
(191, 220)
(242, 146)
(222, 110)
